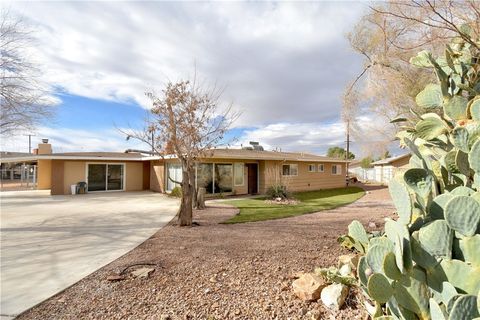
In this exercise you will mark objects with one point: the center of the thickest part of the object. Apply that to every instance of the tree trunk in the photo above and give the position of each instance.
(201, 199)
(185, 213)
(194, 189)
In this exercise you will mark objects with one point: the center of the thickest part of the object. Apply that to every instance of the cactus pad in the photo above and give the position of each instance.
(462, 214)
(474, 157)
(437, 206)
(460, 138)
(357, 232)
(379, 288)
(401, 200)
(465, 307)
(462, 191)
(390, 267)
(435, 310)
(419, 180)
(460, 274)
(375, 256)
(470, 249)
(361, 270)
(436, 238)
(456, 108)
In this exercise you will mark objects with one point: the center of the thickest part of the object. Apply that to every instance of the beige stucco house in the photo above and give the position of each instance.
(386, 169)
(223, 171)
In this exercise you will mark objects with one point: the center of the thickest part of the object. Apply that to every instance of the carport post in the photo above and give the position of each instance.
(34, 176)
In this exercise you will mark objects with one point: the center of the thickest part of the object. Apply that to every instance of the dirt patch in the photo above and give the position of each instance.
(221, 271)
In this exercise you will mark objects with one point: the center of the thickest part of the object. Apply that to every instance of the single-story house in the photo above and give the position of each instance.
(362, 174)
(386, 169)
(223, 171)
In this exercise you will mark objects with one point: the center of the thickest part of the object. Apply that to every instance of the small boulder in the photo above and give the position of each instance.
(308, 287)
(334, 295)
(345, 270)
(349, 259)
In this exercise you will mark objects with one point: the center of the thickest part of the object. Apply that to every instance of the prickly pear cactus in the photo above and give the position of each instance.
(426, 263)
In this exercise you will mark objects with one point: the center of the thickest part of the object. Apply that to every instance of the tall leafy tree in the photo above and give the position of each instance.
(338, 152)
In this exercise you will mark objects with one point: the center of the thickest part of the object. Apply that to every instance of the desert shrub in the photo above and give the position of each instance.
(176, 192)
(278, 191)
(426, 263)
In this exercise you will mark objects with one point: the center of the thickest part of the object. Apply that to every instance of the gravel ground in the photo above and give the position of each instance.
(217, 271)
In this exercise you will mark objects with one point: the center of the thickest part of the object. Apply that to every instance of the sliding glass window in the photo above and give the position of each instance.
(105, 177)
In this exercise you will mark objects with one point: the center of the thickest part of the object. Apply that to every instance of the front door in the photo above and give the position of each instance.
(252, 169)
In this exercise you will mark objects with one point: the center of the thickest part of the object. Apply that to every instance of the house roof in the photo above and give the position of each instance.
(107, 156)
(268, 155)
(390, 160)
(135, 156)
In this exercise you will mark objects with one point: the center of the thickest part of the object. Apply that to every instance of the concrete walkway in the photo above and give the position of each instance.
(50, 242)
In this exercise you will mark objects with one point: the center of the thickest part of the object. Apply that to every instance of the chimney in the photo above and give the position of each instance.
(44, 147)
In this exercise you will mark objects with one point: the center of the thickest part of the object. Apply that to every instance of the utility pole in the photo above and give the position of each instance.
(30, 142)
(347, 154)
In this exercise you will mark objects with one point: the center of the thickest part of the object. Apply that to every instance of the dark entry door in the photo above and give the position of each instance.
(252, 178)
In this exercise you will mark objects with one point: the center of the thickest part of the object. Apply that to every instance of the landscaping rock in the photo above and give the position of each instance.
(142, 272)
(345, 270)
(348, 259)
(116, 278)
(334, 295)
(308, 287)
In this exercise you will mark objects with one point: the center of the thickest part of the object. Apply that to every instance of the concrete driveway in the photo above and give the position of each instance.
(50, 242)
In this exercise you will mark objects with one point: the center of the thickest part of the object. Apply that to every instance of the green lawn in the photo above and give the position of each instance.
(311, 201)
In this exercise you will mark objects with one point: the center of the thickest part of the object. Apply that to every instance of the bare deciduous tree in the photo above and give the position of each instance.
(189, 120)
(387, 37)
(24, 99)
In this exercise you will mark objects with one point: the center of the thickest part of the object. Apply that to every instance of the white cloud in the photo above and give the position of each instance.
(73, 140)
(305, 137)
(271, 57)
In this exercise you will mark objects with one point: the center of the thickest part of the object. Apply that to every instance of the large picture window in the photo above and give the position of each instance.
(223, 178)
(105, 177)
(290, 170)
(239, 175)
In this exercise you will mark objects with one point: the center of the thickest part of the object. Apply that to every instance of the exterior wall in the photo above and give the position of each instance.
(64, 173)
(269, 173)
(74, 172)
(305, 180)
(157, 176)
(44, 174)
(134, 176)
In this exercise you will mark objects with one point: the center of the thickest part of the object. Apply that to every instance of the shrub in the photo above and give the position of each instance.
(176, 192)
(426, 264)
(278, 191)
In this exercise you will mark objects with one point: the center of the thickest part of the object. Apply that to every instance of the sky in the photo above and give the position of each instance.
(283, 65)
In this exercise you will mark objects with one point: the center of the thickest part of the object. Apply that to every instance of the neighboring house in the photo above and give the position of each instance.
(222, 171)
(386, 169)
(364, 175)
